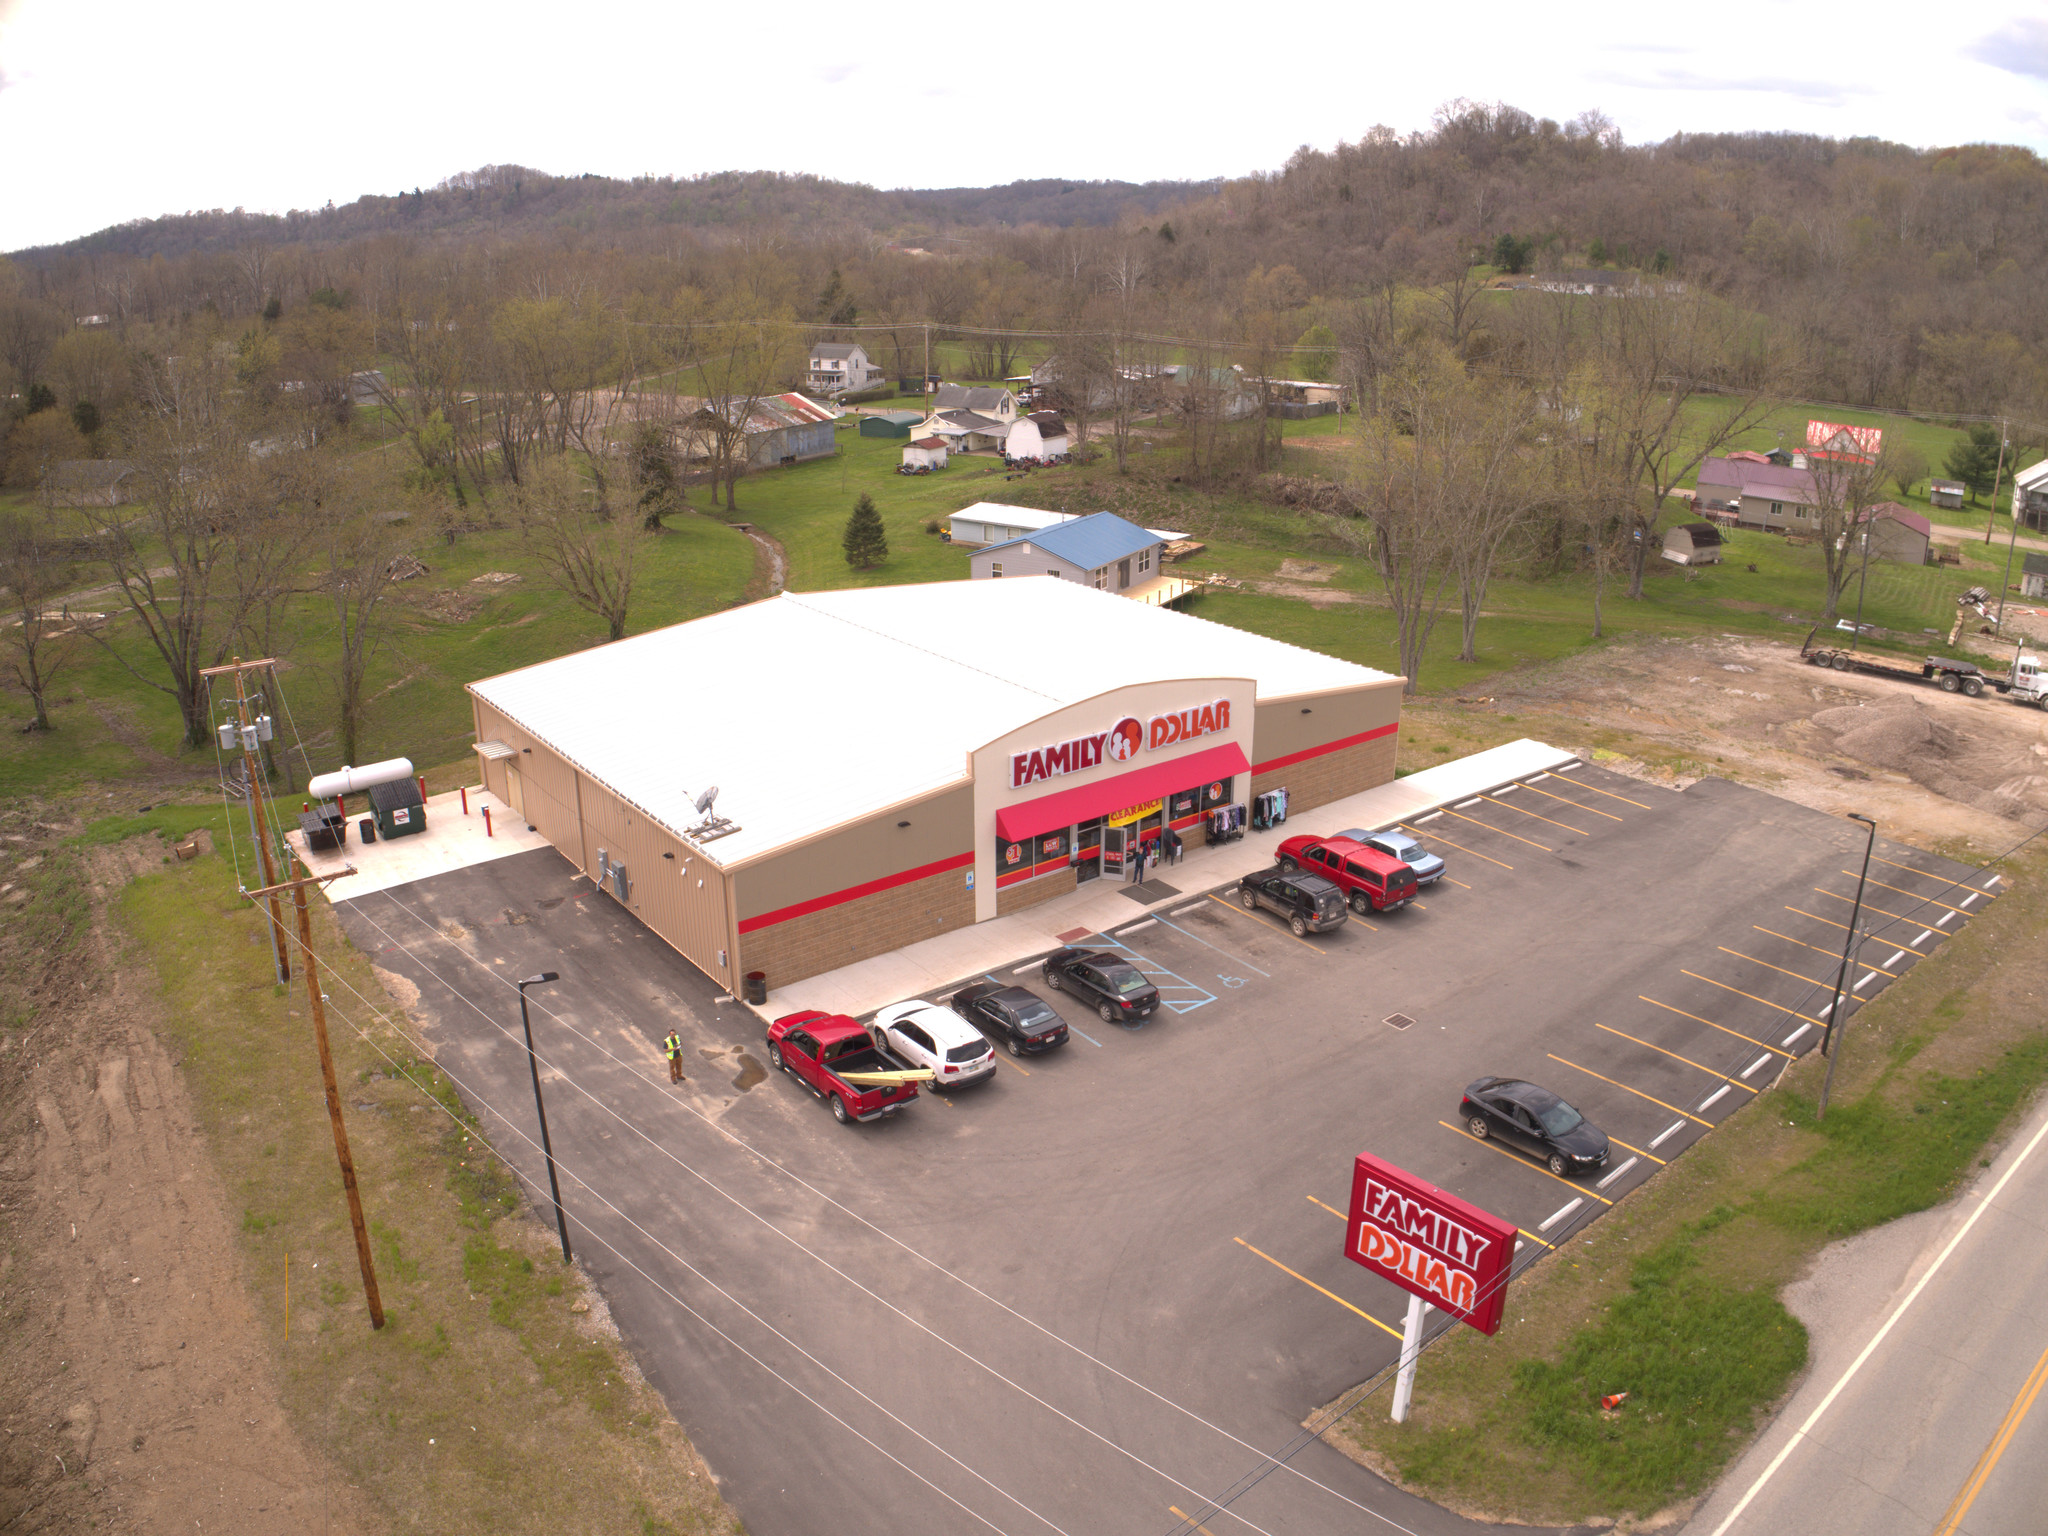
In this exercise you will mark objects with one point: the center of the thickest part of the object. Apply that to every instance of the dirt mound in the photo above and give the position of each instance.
(1314, 495)
(1901, 735)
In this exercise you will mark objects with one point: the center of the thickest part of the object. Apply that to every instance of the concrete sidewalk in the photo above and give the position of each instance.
(1004, 942)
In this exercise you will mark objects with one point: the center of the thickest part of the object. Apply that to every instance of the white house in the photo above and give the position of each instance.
(925, 453)
(2030, 496)
(1041, 435)
(992, 522)
(837, 365)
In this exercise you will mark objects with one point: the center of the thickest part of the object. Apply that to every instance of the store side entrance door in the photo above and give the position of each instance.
(1088, 850)
(515, 791)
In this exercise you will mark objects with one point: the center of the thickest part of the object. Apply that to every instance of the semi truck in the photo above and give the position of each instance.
(2024, 681)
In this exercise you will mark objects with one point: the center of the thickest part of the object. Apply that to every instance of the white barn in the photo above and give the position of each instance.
(1041, 435)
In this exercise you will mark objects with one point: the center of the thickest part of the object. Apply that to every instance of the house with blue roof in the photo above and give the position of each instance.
(1101, 551)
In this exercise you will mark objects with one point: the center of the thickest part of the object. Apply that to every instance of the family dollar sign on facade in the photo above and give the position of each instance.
(1429, 1242)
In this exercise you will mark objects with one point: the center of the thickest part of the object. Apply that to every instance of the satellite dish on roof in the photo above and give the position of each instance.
(705, 801)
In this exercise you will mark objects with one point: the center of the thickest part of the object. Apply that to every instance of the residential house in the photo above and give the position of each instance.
(2034, 576)
(989, 401)
(1693, 544)
(991, 522)
(925, 453)
(1041, 435)
(1774, 497)
(1948, 493)
(1100, 550)
(1896, 533)
(1233, 398)
(2030, 497)
(1297, 399)
(841, 365)
(780, 429)
(91, 482)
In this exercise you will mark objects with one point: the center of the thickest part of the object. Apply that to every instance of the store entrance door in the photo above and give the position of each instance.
(1118, 845)
(1088, 850)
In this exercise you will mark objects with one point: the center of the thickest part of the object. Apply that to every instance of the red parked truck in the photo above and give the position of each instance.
(1372, 880)
(817, 1049)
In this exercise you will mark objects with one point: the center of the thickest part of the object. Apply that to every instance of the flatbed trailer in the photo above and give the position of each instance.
(1946, 673)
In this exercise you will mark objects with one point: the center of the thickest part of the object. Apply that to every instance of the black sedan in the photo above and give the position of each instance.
(1020, 1019)
(1536, 1120)
(1310, 903)
(1108, 983)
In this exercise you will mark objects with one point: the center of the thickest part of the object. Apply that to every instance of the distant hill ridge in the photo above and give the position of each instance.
(513, 199)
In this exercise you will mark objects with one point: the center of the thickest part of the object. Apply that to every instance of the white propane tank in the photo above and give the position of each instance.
(349, 781)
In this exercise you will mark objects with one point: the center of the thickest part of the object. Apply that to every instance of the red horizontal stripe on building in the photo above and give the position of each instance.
(854, 893)
(1333, 746)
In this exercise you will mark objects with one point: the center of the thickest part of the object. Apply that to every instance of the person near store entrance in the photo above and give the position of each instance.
(1170, 840)
(674, 1046)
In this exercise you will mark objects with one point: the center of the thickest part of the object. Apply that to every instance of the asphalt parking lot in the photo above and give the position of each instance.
(1097, 1290)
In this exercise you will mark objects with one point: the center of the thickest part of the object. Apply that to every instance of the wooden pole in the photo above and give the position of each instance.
(240, 669)
(341, 1152)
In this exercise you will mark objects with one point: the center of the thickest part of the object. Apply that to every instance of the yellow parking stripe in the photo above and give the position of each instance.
(1330, 1208)
(1752, 959)
(1231, 906)
(1710, 1071)
(1624, 1087)
(1461, 885)
(1880, 911)
(1496, 831)
(1639, 1152)
(1963, 911)
(1774, 1007)
(1539, 1242)
(1175, 1509)
(1624, 799)
(1760, 928)
(1738, 1034)
(1304, 1279)
(1008, 1063)
(1439, 837)
(1572, 803)
(1520, 812)
(1517, 1157)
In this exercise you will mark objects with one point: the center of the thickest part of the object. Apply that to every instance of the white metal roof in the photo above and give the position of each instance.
(1025, 519)
(814, 709)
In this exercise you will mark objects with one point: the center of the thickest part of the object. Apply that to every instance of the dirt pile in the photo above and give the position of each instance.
(1899, 734)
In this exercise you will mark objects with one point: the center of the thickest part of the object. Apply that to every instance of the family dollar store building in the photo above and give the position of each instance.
(897, 761)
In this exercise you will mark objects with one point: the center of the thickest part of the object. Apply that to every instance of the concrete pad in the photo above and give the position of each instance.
(452, 841)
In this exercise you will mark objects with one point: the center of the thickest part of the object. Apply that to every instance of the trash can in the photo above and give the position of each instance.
(400, 811)
(368, 827)
(756, 988)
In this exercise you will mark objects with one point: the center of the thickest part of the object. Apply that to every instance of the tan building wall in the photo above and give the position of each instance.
(859, 929)
(1331, 776)
(1029, 893)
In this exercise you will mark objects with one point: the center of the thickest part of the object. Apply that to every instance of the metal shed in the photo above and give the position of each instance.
(890, 424)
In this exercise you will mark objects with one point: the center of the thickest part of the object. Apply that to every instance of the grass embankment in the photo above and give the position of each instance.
(488, 1402)
(1672, 1296)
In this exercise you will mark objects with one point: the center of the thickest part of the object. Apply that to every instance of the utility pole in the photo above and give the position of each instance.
(318, 1002)
(1991, 517)
(247, 735)
(1827, 1043)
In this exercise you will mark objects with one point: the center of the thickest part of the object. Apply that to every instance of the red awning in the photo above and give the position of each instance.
(1104, 797)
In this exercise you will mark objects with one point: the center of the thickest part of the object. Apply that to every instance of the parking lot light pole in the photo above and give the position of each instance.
(533, 1066)
(1827, 1044)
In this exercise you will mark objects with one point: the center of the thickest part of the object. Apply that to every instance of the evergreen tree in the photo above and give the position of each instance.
(1974, 460)
(865, 543)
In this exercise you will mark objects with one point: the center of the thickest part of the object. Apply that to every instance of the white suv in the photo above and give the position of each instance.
(926, 1035)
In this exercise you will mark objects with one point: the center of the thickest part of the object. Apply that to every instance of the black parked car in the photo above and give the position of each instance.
(1310, 903)
(1536, 1120)
(1021, 1019)
(1109, 983)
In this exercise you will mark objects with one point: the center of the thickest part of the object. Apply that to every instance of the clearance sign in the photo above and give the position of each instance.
(1429, 1242)
(1120, 743)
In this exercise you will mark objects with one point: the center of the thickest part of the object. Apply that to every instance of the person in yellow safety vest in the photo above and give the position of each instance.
(674, 1046)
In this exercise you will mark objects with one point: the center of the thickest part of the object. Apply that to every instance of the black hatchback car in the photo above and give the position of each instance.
(1108, 983)
(1310, 903)
(1536, 1120)
(1021, 1019)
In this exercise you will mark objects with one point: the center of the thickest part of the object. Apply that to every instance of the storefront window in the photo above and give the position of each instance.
(1054, 845)
(1217, 792)
(1011, 857)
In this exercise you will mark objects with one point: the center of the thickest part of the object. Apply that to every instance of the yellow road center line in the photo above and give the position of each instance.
(1760, 928)
(1738, 1034)
(1231, 906)
(1774, 1007)
(1304, 1279)
(1639, 1152)
(1624, 799)
(1520, 812)
(1914, 894)
(1572, 803)
(1752, 959)
(1624, 1087)
(1330, 1208)
(1952, 1517)
(1439, 837)
(1710, 1071)
(1516, 1157)
(1496, 831)
(1175, 1509)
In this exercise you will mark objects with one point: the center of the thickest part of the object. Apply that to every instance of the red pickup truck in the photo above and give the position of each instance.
(814, 1048)
(1372, 879)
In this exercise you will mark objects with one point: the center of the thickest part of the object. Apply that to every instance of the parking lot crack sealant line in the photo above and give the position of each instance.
(879, 1231)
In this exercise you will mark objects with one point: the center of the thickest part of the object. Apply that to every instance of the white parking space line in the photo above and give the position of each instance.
(1895, 959)
(1432, 816)
(1570, 767)
(1558, 1215)
(1751, 1069)
(1830, 1008)
(1150, 922)
(1944, 920)
(1925, 935)
(1802, 1029)
(1184, 911)
(1971, 897)
(1463, 803)
(1021, 969)
(1663, 1135)
(1624, 1168)
(1988, 884)
(1507, 789)
(1868, 978)
(1718, 1093)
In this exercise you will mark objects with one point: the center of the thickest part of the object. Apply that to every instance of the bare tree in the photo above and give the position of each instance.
(1845, 488)
(1500, 490)
(363, 551)
(590, 558)
(39, 645)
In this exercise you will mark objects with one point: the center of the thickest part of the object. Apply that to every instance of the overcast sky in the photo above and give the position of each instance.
(115, 109)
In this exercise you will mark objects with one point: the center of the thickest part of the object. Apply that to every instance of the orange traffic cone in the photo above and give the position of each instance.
(1612, 1401)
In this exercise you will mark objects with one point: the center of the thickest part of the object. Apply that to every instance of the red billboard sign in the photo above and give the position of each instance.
(1429, 1242)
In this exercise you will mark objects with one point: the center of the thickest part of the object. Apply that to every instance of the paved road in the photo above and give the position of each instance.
(1915, 1417)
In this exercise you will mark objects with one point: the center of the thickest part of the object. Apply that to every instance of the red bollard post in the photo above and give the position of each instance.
(423, 789)
(465, 801)
(341, 806)
(487, 823)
